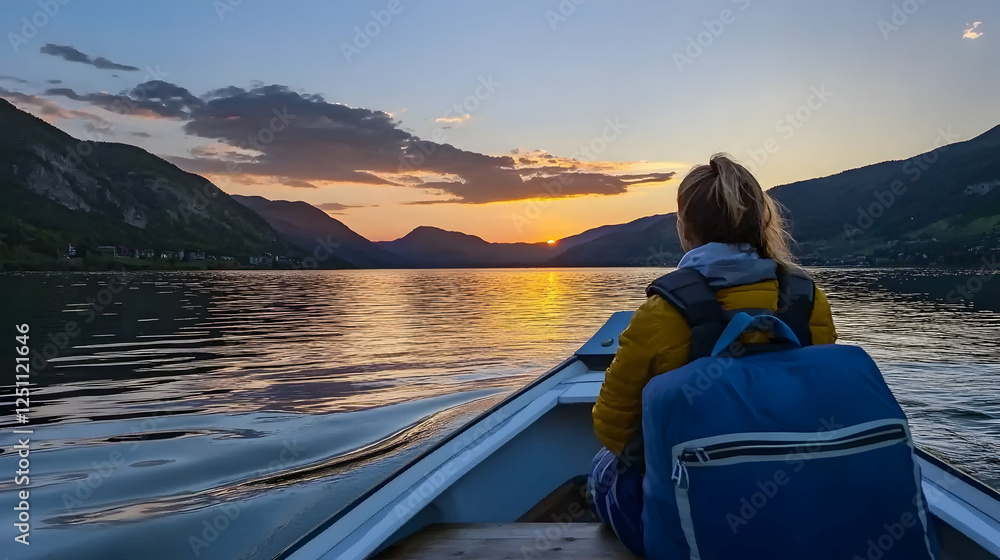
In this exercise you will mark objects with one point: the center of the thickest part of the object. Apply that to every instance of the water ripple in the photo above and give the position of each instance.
(285, 394)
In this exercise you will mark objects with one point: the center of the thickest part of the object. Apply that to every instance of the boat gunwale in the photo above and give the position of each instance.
(340, 514)
(966, 504)
(317, 532)
(960, 474)
(963, 476)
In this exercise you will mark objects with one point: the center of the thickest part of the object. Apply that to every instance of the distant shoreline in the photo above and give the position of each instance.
(211, 266)
(111, 264)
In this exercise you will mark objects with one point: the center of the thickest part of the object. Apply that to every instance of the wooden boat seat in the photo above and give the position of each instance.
(510, 541)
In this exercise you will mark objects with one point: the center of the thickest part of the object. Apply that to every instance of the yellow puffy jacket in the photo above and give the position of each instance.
(658, 340)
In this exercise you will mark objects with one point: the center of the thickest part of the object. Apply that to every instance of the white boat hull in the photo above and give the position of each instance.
(500, 465)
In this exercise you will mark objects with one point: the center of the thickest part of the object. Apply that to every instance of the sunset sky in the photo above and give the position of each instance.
(514, 120)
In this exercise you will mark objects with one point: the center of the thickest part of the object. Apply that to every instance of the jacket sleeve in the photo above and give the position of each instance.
(821, 320)
(657, 340)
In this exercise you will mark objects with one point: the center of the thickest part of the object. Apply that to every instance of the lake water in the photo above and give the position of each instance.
(272, 399)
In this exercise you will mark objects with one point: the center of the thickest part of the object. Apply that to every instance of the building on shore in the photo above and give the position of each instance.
(126, 252)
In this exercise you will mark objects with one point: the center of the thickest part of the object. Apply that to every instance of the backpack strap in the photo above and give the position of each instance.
(796, 298)
(688, 291)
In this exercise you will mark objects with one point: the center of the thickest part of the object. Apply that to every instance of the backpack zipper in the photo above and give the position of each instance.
(766, 449)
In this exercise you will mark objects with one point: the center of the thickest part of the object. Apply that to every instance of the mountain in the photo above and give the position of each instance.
(597, 232)
(649, 241)
(318, 234)
(434, 247)
(944, 203)
(56, 190)
(939, 206)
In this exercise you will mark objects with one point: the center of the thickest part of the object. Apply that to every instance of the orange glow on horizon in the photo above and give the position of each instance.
(381, 213)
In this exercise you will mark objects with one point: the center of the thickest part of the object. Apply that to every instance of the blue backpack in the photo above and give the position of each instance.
(776, 451)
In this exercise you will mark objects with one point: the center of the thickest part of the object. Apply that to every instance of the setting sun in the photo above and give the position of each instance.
(551, 241)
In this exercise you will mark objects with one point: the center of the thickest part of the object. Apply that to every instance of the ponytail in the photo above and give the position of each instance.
(723, 202)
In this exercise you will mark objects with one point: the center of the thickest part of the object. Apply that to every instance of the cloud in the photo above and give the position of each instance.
(73, 55)
(154, 99)
(224, 152)
(105, 130)
(40, 105)
(971, 33)
(501, 186)
(301, 140)
(308, 138)
(13, 79)
(301, 136)
(229, 91)
(533, 161)
(53, 81)
(453, 120)
(430, 202)
(49, 110)
(647, 178)
(334, 207)
(297, 183)
(142, 134)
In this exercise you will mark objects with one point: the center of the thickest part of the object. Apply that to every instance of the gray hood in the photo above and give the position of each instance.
(729, 264)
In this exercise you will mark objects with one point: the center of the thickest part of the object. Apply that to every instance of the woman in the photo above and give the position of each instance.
(733, 234)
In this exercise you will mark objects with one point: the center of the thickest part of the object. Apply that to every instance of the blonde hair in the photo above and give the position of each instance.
(723, 202)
